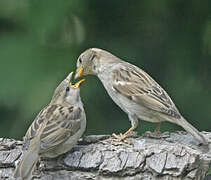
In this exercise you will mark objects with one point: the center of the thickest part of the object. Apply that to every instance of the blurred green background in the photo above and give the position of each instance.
(40, 41)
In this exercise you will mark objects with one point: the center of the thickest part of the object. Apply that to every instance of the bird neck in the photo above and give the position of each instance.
(78, 102)
(104, 66)
(67, 104)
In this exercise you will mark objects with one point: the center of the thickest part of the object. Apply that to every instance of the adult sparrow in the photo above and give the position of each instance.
(55, 130)
(133, 90)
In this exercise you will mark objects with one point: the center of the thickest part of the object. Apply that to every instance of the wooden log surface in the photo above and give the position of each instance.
(99, 157)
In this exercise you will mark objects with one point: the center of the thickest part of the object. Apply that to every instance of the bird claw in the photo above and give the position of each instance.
(155, 135)
(156, 131)
(121, 138)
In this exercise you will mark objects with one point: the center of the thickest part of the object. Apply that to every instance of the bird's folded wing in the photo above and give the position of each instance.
(35, 127)
(135, 84)
(53, 126)
(60, 128)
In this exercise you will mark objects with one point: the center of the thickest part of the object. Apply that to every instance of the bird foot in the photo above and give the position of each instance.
(157, 131)
(156, 135)
(121, 138)
(153, 133)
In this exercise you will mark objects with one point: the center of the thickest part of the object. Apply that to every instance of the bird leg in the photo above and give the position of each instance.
(134, 124)
(122, 137)
(157, 129)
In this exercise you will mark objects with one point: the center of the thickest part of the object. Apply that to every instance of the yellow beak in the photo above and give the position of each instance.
(79, 72)
(78, 84)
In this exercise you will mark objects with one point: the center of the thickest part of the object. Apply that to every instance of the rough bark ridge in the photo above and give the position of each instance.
(167, 156)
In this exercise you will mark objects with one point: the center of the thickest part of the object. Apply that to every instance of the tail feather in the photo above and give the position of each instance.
(192, 130)
(26, 165)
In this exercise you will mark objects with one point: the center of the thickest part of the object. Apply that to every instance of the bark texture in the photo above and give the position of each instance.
(168, 156)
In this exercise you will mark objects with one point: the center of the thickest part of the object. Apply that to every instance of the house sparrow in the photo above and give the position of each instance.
(55, 130)
(133, 90)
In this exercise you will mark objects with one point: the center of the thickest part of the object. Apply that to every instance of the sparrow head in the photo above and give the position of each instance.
(92, 60)
(67, 92)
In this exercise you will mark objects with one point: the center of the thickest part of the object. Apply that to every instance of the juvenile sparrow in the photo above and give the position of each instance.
(55, 130)
(133, 90)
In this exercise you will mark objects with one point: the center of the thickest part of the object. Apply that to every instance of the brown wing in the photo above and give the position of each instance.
(60, 127)
(138, 86)
(34, 128)
(54, 125)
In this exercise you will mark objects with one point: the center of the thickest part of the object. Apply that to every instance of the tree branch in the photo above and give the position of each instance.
(165, 156)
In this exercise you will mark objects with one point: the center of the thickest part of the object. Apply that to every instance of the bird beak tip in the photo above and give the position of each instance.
(79, 72)
(78, 84)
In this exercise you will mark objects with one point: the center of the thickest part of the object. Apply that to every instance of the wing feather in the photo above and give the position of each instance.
(137, 85)
(59, 129)
(54, 125)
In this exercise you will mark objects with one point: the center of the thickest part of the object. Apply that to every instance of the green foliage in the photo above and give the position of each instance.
(41, 40)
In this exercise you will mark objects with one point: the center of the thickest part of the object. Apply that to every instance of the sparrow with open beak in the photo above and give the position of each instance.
(133, 90)
(55, 130)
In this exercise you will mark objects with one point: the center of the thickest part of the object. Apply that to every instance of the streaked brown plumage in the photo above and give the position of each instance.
(142, 89)
(55, 130)
(133, 90)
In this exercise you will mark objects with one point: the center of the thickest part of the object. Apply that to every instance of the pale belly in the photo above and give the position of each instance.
(130, 107)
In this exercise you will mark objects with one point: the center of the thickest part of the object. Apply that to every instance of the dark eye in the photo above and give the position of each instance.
(67, 89)
(80, 60)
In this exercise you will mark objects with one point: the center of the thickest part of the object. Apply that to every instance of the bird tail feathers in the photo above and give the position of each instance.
(192, 130)
(26, 165)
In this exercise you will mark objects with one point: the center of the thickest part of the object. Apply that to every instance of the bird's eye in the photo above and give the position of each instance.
(67, 89)
(80, 60)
